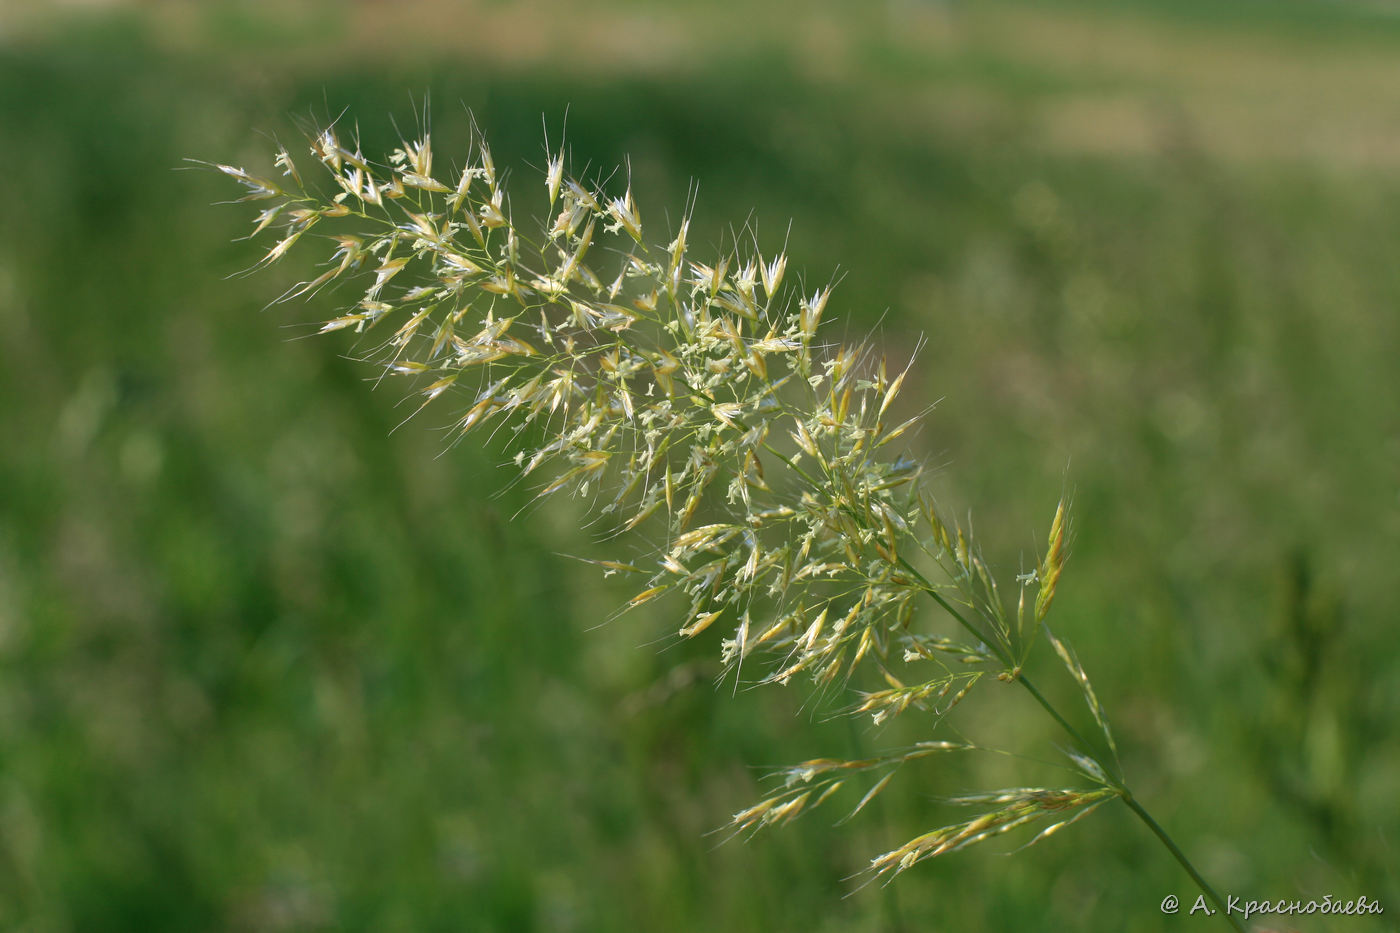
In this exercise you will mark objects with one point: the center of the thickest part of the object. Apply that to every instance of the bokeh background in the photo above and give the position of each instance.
(266, 666)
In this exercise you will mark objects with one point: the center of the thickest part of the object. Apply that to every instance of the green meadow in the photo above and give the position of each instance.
(272, 659)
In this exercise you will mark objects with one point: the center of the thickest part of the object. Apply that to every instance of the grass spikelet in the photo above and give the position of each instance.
(1013, 809)
(1053, 563)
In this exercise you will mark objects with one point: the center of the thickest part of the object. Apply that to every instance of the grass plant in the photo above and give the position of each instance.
(757, 473)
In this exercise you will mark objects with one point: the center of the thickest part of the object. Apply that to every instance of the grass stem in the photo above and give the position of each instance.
(1125, 794)
(1181, 858)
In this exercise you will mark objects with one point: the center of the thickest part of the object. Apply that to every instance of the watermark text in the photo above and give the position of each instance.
(1245, 909)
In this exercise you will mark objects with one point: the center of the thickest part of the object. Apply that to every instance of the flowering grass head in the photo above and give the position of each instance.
(699, 397)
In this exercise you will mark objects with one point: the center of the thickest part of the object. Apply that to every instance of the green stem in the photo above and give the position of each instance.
(1180, 856)
(1127, 797)
(1064, 724)
(1123, 792)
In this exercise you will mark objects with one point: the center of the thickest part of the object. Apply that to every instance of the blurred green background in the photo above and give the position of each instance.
(264, 666)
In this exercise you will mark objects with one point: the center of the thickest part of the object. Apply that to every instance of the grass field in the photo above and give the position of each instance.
(266, 666)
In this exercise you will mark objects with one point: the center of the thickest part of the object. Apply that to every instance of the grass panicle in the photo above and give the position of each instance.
(699, 396)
